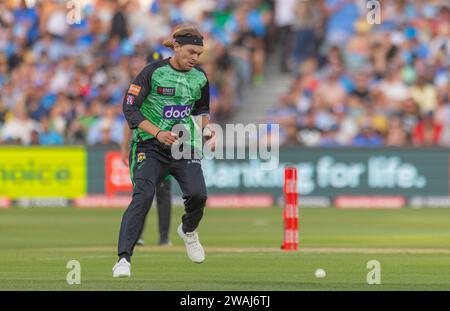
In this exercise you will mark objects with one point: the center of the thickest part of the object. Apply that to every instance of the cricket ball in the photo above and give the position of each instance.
(320, 273)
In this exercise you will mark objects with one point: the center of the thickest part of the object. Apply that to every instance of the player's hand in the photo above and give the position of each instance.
(124, 152)
(167, 138)
(210, 137)
(208, 132)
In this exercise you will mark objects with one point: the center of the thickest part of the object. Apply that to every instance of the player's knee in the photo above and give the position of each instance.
(198, 199)
(147, 197)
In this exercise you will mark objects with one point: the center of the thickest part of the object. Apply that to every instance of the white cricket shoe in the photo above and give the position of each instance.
(193, 247)
(122, 269)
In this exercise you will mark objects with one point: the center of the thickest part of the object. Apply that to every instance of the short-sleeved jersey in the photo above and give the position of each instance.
(166, 96)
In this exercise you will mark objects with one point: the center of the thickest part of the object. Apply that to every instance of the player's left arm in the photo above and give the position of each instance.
(201, 109)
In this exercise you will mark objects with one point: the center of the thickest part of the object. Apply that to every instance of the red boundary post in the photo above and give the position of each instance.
(290, 211)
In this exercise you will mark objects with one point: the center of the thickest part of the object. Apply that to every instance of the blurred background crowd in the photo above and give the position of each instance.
(358, 84)
(353, 83)
(63, 83)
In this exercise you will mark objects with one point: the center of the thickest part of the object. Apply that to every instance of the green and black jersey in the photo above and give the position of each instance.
(166, 96)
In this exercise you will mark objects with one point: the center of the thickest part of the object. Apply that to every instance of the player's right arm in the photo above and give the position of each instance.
(125, 147)
(132, 102)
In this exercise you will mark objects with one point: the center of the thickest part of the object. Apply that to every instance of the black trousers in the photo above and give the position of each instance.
(164, 208)
(150, 163)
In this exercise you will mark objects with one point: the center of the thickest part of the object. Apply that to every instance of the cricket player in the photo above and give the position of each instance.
(166, 93)
(163, 189)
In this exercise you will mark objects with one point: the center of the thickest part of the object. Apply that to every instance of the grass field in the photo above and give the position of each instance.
(242, 250)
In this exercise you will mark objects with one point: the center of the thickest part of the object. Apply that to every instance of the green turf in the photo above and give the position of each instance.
(242, 248)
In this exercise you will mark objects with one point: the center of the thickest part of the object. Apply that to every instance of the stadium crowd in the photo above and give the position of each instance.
(62, 80)
(361, 84)
(354, 83)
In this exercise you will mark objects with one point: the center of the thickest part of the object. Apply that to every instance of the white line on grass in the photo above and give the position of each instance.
(147, 251)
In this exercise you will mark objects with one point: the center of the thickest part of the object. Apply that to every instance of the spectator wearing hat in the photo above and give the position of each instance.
(367, 136)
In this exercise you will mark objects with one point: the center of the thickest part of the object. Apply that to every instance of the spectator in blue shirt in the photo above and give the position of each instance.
(342, 15)
(27, 17)
(367, 137)
(49, 136)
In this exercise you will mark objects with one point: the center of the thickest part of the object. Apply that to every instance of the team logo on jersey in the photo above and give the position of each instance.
(130, 100)
(176, 112)
(134, 89)
(165, 91)
(141, 157)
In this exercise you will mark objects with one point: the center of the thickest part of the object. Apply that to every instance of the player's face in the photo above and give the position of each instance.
(187, 55)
